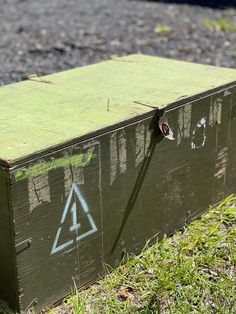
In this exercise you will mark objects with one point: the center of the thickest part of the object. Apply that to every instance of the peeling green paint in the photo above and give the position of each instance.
(79, 160)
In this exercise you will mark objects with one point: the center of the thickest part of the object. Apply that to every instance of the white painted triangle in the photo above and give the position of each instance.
(71, 209)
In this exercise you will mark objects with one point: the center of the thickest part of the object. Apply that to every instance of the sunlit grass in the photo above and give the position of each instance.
(162, 28)
(223, 25)
(191, 272)
(4, 309)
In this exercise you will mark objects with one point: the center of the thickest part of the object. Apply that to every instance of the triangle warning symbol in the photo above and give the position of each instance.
(72, 210)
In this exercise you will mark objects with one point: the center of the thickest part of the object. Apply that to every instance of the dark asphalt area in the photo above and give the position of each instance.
(41, 37)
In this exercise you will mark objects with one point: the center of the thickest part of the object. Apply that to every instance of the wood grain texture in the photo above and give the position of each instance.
(39, 114)
(137, 185)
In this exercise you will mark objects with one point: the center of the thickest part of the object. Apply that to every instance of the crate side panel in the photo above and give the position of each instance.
(7, 270)
(85, 205)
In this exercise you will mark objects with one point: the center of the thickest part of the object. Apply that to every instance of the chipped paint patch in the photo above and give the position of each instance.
(184, 122)
(147, 140)
(39, 191)
(72, 174)
(140, 143)
(227, 93)
(221, 163)
(122, 151)
(118, 154)
(67, 179)
(113, 157)
(78, 175)
(215, 112)
(79, 160)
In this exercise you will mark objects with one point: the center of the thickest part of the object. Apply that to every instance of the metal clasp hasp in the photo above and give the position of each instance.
(162, 122)
(165, 128)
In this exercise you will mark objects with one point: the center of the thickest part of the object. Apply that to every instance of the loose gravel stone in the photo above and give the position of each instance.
(44, 37)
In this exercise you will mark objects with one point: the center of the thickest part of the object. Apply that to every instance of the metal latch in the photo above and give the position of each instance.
(165, 128)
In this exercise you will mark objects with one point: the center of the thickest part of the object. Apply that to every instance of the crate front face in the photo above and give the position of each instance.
(85, 205)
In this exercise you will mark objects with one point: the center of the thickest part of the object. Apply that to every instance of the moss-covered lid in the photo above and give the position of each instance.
(50, 111)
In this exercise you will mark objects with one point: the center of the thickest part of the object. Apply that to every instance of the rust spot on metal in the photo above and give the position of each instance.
(165, 128)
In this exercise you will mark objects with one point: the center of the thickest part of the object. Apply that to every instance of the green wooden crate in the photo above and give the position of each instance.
(86, 175)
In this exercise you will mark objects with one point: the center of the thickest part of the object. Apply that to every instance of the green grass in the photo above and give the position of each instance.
(162, 28)
(4, 309)
(223, 25)
(192, 272)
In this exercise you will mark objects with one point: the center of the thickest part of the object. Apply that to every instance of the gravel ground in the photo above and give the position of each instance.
(45, 37)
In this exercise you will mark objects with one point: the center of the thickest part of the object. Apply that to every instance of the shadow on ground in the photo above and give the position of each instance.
(217, 4)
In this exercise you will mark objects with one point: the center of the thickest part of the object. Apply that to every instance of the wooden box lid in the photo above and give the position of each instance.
(50, 112)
